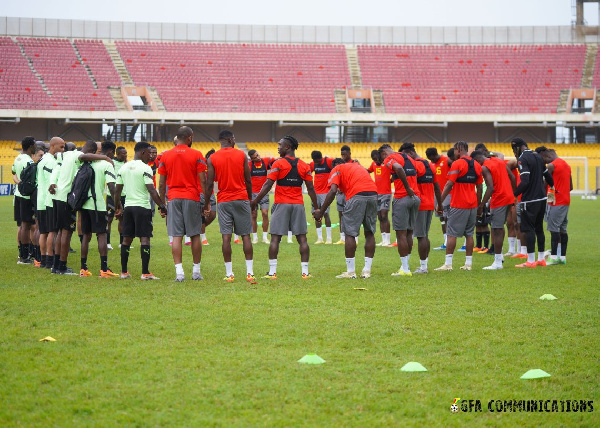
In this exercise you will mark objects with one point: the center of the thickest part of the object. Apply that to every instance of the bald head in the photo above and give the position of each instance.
(69, 147)
(57, 145)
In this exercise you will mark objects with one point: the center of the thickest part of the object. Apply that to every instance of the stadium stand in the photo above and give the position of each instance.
(239, 77)
(472, 79)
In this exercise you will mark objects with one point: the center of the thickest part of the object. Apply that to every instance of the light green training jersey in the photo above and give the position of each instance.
(134, 176)
(64, 181)
(104, 173)
(118, 166)
(18, 166)
(45, 169)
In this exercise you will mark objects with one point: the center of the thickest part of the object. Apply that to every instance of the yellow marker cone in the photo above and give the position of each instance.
(48, 339)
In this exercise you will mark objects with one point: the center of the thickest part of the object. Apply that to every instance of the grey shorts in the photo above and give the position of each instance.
(213, 202)
(384, 202)
(320, 199)
(422, 224)
(264, 202)
(184, 217)
(286, 217)
(498, 216)
(445, 206)
(518, 208)
(404, 212)
(235, 217)
(360, 210)
(341, 201)
(461, 222)
(557, 218)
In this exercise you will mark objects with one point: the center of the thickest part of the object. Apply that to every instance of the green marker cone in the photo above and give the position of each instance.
(259, 223)
(307, 223)
(535, 374)
(548, 297)
(333, 225)
(413, 366)
(311, 359)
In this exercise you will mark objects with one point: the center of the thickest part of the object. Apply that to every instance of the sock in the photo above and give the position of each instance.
(445, 238)
(38, 253)
(383, 238)
(530, 257)
(145, 252)
(517, 245)
(564, 241)
(478, 239)
(342, 236)
(512, 245)
(486, 239)
(328, 230)
(289, 235)
(523, 249)
(80, 238)
(56, 261)
(228, 268)
(108, 238)
(541, 255)
(404, 261)
(84, 263)
(449, 259)
(265, 237)
(121, 239)
(43, 260)
(350, 264)
(368, 263)
(31, 250)
(408, 257)
(179, 269)
(170, 239)
(203, 237)
(319, 233)
(195, 268)
(304, 266)
(21, 250)
(272, 266)
(249, 267)
(124, 257)
(469, 260)
(188, 239)
(254, 236)
(424, 264)
(104, 263)
(62, 266)
(558, 250)
(498, 259)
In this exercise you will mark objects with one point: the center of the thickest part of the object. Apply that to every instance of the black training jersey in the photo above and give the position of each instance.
(532, 171)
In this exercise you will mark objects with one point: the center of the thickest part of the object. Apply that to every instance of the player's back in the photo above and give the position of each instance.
(228, 164)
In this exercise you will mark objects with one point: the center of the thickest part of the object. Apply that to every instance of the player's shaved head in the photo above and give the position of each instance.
(57, 145)
(90, 147)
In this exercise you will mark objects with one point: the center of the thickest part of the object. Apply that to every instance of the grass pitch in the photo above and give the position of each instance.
(133, 353)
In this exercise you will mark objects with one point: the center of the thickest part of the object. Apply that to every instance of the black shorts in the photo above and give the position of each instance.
(52, 224)
(137, 222)
(532, 216)
(93, 221)
(110, 207)
(66, 218)
(26, 211)
(17, 210)
(42, 221)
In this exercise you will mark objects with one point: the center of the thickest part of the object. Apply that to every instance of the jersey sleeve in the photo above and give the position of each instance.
(479, 172)
(329, 162)
(148, 175)
(304, 171)
(109, 173)
(371, 167)
(523, 166)
(335, 177)
(275, 171)
(456, 170)
(200, 163)
(312, 166)
(162, 168)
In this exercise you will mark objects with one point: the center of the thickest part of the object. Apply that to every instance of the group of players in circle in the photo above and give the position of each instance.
(466, 190)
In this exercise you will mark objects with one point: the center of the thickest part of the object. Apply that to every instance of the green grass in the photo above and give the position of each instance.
(130, 353)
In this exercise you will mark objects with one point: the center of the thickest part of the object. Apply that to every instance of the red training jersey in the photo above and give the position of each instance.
(322, 172)
(289, 180)
(229, 163)
(426, 186)
(562, 182)
(382, 176)
(503, 193)
(351, 178)
(440, 169)
(181, 166)
(412, 170)
(258, 173)
(464, 194)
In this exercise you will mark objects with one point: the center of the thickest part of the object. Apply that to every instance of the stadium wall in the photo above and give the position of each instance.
(120, 30)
